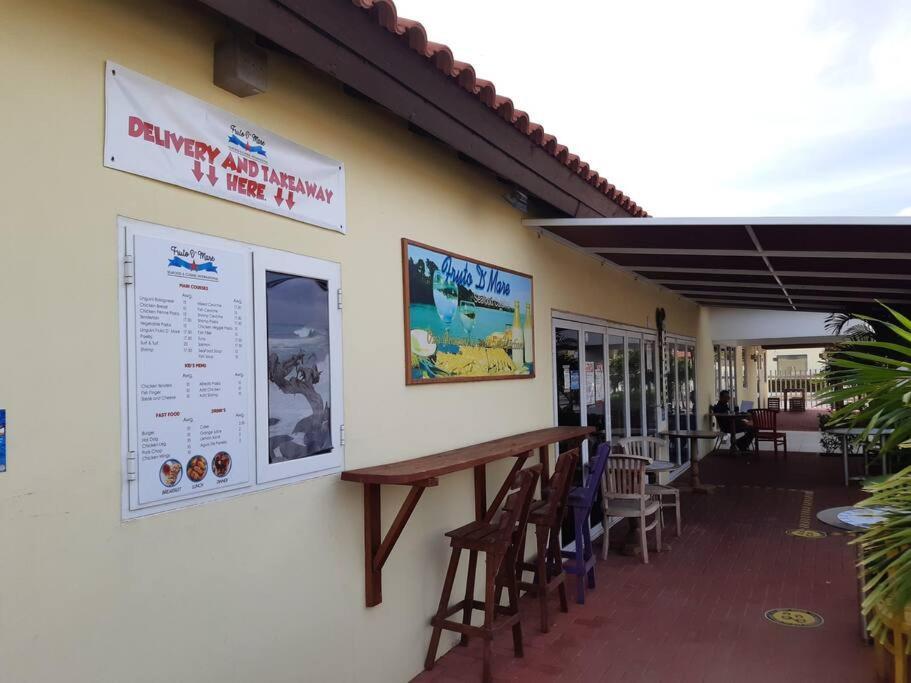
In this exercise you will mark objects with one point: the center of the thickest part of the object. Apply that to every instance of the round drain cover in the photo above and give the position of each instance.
(792, 616)
(806, 533)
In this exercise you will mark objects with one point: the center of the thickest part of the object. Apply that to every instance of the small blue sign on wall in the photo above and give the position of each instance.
(2, 441)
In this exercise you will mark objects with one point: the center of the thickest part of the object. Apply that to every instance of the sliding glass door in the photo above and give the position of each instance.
(650, 381)
(606, 378)
(680, 380)
(618, 387)
(581, 389)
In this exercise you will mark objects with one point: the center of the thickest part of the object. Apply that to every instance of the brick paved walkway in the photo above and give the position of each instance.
(804, 421)
(696, 612)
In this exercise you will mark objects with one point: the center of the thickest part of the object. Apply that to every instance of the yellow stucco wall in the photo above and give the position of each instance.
(266, 586)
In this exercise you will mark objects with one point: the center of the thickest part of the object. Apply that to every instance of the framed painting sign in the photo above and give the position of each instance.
(465, 320)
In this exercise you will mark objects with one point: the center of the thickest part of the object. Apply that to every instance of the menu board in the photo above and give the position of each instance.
(194, 368)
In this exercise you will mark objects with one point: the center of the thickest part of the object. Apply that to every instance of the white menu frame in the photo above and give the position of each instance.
(303, 266)
(262, 475)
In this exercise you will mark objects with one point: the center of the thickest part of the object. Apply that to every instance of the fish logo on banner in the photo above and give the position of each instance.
(178, 262)
(200, 261)
(242, 138)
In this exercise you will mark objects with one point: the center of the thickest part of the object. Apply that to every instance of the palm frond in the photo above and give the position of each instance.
(869, 386)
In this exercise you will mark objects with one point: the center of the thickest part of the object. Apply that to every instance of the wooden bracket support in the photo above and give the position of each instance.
(377, 548)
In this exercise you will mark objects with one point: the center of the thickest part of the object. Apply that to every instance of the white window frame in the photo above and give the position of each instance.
(260, 260)
(304, 266)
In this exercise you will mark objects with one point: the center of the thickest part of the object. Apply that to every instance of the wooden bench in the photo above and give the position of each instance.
(424, 472)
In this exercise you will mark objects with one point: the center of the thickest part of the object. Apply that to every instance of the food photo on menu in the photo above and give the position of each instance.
(297, 310)
(221, 464)
(197, 468)
(170, 473)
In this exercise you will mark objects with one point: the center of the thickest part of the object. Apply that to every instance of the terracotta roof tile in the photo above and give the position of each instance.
(413, 32)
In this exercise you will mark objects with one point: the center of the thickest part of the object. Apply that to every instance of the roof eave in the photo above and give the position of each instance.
(365, 46)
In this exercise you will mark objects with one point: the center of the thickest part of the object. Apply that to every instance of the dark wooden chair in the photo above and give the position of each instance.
(773, 403)
(547, 517)
(765, 424)
(499, 539)
(581, 561)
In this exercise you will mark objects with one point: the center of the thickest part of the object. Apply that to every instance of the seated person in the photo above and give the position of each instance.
(741, 424)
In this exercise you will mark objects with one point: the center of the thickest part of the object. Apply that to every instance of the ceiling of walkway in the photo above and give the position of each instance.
(801, 264)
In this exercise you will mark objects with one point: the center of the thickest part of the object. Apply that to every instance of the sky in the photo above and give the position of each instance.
(708, 107)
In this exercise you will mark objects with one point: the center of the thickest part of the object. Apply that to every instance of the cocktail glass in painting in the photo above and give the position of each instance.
(445, 298)
(297, 313)
(468, 313)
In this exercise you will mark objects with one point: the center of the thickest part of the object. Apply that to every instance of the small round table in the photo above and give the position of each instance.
(658, 466)
(693, 436)
(832, 517)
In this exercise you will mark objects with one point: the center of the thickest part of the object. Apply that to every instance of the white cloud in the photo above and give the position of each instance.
(679, 103)
(905, 212)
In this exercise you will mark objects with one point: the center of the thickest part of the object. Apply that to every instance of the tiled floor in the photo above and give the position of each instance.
(695, 613)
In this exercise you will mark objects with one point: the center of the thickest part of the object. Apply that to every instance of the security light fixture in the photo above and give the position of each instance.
(241, 67)
(517, 199)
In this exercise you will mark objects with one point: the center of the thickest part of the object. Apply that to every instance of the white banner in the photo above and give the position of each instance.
(158, 132)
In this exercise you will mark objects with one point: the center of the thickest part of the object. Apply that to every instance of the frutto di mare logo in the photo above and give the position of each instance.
(247, 140)
(199, 260)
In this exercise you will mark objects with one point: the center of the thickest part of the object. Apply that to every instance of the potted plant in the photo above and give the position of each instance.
(870, 380)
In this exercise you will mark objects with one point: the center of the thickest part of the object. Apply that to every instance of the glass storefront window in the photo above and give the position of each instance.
(616, 361)
(634, 355)
(567, 361)
(651, 390)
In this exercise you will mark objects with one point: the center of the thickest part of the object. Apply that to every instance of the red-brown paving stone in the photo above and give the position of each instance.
(695, 613)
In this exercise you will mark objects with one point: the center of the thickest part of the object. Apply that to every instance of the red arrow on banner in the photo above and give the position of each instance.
(278, 196)
(197, 170)
(291, 201)
(211, 174)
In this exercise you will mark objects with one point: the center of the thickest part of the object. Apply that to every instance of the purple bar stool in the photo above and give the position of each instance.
(582, 560)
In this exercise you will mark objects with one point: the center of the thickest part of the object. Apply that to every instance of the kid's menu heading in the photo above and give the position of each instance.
(193, 355)
(158, 132)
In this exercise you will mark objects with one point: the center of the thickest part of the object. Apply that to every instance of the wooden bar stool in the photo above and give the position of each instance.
(581, 561)
(499, 540)
(547, 517)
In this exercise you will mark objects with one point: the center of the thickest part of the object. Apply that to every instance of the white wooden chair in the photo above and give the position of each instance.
(623, 495)
(722, 435)
(655, 449)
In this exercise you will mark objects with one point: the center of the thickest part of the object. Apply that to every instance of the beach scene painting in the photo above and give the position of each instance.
(465, 319)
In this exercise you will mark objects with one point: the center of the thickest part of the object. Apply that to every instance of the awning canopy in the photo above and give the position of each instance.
(806, 264)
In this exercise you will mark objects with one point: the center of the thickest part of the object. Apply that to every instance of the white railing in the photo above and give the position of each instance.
(807, 384)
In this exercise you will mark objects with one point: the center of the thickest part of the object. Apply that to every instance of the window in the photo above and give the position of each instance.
(791, 364)
(743, 367)
(232, 368)
(725, 372)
